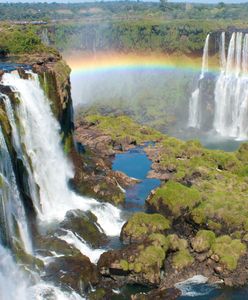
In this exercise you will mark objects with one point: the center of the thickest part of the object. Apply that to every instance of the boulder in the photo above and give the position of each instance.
(85, 225)
(75, 272)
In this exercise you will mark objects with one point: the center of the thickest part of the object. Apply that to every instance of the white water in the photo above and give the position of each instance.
(195, 286)
(82, 246)
(12, 210)
(194, 103)
(18, 148)
(16, 285)
(231, 90)
(51, 169)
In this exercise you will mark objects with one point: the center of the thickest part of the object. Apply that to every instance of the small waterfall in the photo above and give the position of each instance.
(231, 90)
(13, 218)
(194, 103)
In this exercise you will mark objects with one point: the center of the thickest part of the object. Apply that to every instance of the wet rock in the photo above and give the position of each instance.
(159, 294)
(75, 272)
(138, 263)
(219, 269)
(141, 225)
(48, 245)
(84, 224)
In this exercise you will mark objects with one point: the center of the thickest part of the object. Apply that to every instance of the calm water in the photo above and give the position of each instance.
(136, 164)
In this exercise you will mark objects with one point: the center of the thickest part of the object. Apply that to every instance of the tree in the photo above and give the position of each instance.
(163, 4)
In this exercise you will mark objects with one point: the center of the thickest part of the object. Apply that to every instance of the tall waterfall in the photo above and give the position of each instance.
(51, 169)
(194, 103)
(36, 140)
(231, 90)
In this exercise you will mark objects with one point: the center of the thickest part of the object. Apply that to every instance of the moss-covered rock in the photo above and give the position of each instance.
(203, 241)
(175, 243)
(140, 225)
(139, 263)
(123, 130)
(174, 197)
(229, 251)
(47, 245)
(182, 259)
(85, 225)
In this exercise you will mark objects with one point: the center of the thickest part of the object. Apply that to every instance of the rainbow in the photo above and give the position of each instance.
(109, 62)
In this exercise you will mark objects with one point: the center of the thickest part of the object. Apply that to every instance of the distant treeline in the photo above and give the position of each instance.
(181, 36)
(121, 26)
(162, 9)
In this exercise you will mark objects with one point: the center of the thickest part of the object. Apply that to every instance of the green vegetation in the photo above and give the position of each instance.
(175, 243)
(20, 40)
(218, 188)
(146, 260)
(140, 225)
(121, 9)
(123, 127)
(176, 197)
(207, 186)
(203, 240)
(229, 251)
(182, 259)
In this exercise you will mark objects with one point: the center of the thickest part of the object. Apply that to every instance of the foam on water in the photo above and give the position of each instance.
(195, 286)
(82, 246)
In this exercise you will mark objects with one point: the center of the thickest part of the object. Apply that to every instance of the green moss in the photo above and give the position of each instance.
(1, 181)
(98, 294)
(159, 240)
(4, 121)
(213, 225)
(68, 144)
(124, 265)
(229, 251)
(182, 259)
(175, 243)
(122, 127)
(137, 267)
(203, 240)
(176, 197)
(150, 256)
(141, 224)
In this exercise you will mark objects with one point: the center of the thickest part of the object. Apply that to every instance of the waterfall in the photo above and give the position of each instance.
(16, 285)
(194, 103)
(14, 228)
(35, 135)
(18, 148)
(231, 90)
(51, 170)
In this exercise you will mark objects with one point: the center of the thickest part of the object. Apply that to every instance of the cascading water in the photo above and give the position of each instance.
(194, 103)
(12, 210)
(51, 169)
(37, 143)
(231, 90)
